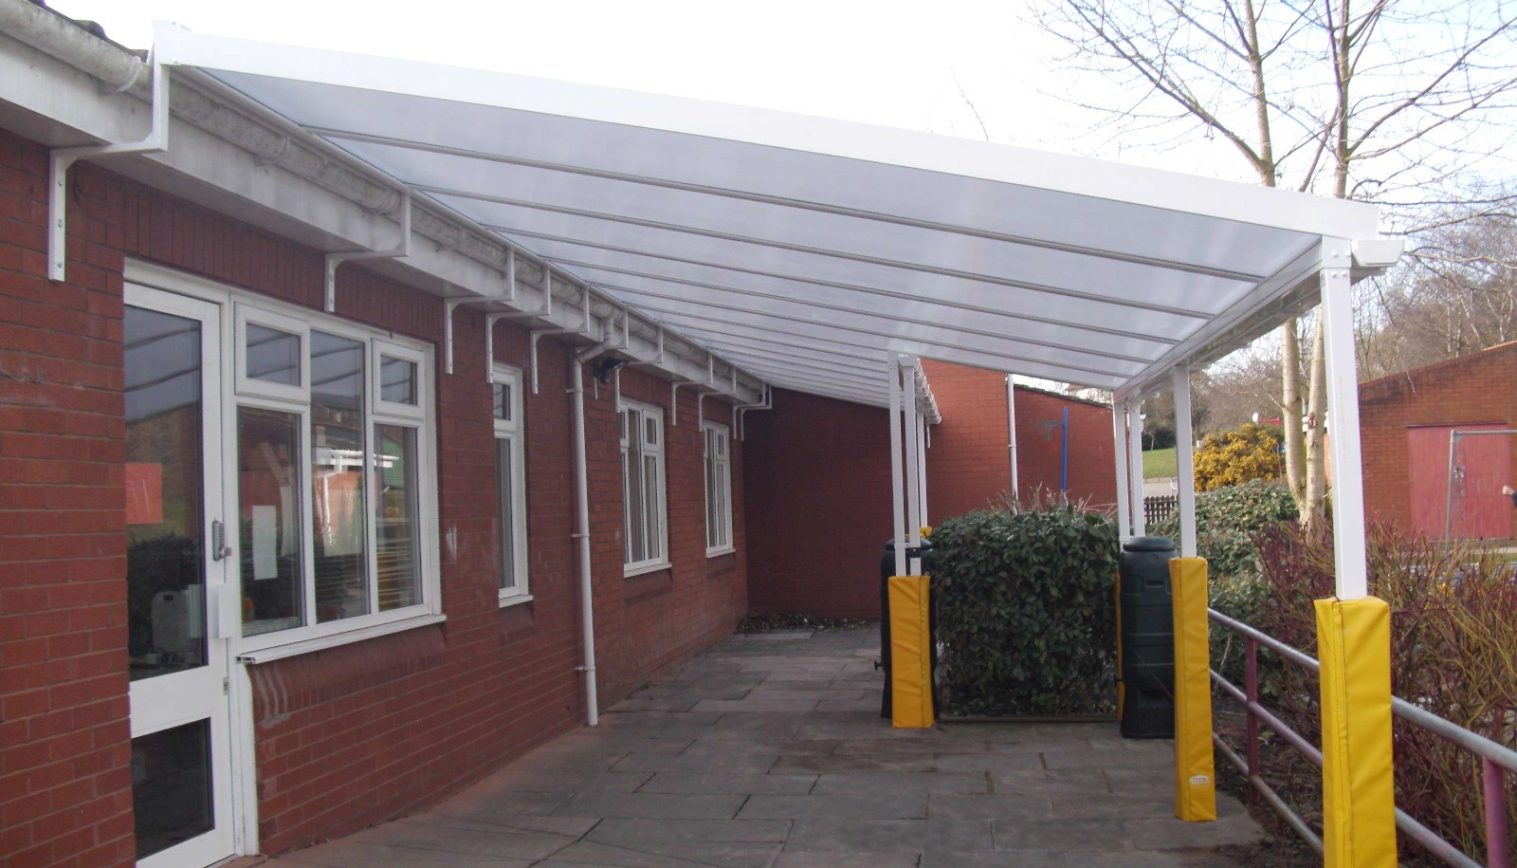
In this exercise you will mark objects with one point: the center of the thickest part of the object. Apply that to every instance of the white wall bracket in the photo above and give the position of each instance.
(61, 159)
(401, 249)
(449, 306)
(742, 410)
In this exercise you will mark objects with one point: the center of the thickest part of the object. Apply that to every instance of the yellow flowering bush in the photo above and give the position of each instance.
(1238, 456)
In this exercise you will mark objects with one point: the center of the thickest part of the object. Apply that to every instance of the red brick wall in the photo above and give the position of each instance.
(1092, 464)
(819, 481)
(352, 735)
(1473, 389)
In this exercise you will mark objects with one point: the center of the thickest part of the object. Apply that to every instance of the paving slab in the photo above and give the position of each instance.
(770, 752)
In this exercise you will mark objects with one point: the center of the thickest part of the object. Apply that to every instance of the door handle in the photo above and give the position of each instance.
(219, 549)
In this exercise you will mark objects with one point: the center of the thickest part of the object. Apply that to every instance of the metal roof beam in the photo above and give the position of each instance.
(765, 199)
(889, 336)
(944, 352)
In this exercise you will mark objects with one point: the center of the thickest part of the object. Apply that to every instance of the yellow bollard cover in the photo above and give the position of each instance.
(1358, 788)
(910, 653)
(1195, 775)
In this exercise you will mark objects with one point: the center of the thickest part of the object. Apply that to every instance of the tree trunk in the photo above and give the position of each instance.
(1290, 414)
(1316, 440)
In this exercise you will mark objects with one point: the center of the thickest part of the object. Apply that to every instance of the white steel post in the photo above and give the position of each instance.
(913, 503)
(1135, 463)
(1011, 433)
(1343, 420)
(1185, 462)
(897, 484)
(922, 469)
(1119, 449)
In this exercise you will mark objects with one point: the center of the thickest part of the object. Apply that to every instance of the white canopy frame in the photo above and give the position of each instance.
(815, 252)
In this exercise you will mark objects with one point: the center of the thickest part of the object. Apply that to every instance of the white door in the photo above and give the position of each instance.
(178, 566)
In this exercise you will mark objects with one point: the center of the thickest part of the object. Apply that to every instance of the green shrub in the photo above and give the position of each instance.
(1249, 452)
(1228, 518)
(1026, 613)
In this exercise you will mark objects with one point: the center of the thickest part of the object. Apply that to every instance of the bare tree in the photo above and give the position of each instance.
(1397, 102)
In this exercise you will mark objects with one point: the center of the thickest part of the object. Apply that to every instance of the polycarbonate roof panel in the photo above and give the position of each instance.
(808, 250)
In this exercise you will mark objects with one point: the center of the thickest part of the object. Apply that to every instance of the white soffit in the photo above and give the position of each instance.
(809, 249)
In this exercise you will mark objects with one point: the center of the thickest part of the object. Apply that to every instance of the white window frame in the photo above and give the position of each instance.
(252, 387)
(720, 469)
(657, 451)
(396, 412)
(513, 431)
(313, 635)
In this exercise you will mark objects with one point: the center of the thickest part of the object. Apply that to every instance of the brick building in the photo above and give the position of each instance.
(819, 480)
(1408, 421)
(292, 544)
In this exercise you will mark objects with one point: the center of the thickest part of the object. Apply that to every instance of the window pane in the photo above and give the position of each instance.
(650, 506)
(507, 486)
(165, 569)
(171, 786)
(502, 401)
(637, 538)
(269, 525)
(652, 425)
(273, 355)
(398, 529)
(712, 534)
(397, 380)
(338, 492)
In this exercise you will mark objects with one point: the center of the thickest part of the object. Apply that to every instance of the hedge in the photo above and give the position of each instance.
(1026, 613)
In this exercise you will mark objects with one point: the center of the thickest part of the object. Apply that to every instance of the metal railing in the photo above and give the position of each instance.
(1495, 759)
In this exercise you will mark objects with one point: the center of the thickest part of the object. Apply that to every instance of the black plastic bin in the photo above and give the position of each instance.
(1148, 642)
(887, 569)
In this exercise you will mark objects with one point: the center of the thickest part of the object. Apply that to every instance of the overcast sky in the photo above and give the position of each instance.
(900, 64)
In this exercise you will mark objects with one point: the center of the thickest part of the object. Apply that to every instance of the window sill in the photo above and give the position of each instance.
(514, 600)
(295, 649)
(725, 550)
(641, 569)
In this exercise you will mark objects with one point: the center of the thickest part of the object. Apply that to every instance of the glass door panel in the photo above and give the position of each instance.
(176, 567)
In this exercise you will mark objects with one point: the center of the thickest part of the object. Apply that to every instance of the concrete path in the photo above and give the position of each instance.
(768, 750)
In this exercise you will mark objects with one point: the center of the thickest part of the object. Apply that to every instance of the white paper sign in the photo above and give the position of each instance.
(265, 542)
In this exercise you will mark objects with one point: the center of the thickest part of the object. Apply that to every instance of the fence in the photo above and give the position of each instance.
(1159, 507)
(1495, 759)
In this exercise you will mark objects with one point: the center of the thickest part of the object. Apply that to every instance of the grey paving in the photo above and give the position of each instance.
(769, 751)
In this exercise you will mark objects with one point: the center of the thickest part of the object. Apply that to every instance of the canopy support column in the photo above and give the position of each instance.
(1343, 418)
(922, 470)
(1185, 463)
(1011, 434)
(897, 480)
(1119, 450)
(913, 456)
(1135, 463)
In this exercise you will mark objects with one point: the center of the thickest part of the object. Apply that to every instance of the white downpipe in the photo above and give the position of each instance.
(913, 455)
(1135, 463)
(1352, 579)
(582, 531)
(1119, 449)
(1011, 434)
(1185, 464)
(897, 482)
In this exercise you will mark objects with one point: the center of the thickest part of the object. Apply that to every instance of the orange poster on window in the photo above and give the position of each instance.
(144, 493)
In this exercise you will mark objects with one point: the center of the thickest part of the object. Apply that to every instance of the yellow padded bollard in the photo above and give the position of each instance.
(1195, 776)
(910, 653)
(1358, 787)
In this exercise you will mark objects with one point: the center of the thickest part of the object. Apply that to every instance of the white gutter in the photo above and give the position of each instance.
(582, 529)
(51, 33)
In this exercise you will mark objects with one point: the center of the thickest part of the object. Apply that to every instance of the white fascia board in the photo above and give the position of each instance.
(1154, 188)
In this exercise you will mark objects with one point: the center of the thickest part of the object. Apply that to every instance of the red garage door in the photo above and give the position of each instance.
(1481, 466)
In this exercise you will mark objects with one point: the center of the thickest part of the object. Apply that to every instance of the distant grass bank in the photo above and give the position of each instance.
(1159, 463)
